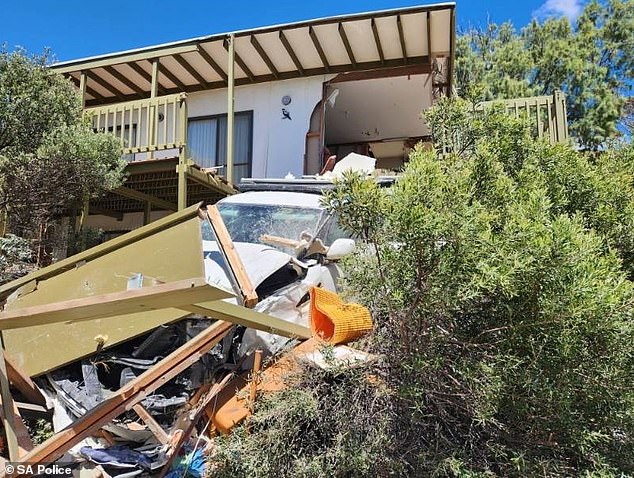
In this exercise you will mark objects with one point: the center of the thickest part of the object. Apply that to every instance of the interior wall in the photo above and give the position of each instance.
(377, 109)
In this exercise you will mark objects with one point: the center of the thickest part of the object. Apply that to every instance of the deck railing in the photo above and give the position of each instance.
(145, 126)
(546, 113)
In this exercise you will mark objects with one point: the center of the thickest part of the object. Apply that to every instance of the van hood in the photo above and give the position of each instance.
(259, 261)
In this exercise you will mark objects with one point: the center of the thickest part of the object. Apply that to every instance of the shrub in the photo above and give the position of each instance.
(498, 277)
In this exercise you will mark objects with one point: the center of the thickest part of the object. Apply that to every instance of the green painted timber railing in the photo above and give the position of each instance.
(547, 114)
(145, 126)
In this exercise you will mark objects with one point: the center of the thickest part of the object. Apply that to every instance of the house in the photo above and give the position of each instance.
(290, 95)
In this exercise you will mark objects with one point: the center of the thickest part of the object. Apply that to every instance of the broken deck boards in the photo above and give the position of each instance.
(145, 299)
(128, 396)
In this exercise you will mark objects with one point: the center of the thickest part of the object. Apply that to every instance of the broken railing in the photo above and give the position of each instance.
(145, 126)
(547, 114)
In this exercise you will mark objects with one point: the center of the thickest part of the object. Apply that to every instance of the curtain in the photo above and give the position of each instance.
(207, 143)
(242, 144)
(201, 141)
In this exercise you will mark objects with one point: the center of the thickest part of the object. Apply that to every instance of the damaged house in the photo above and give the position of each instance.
(131, 341)
(197, 116)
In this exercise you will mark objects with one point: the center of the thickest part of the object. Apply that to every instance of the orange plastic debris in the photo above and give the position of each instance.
(232, 405)
(335, 321)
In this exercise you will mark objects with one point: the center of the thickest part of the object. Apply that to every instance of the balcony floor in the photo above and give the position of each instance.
(156, 181)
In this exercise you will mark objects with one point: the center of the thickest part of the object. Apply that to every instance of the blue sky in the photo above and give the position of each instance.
(76, 29)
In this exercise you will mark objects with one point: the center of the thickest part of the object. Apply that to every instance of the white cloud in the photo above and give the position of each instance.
(560, 8)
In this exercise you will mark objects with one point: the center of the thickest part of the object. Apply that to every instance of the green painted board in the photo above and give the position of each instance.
(169, 253)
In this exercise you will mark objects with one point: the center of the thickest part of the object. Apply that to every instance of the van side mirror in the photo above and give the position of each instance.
(340, 249)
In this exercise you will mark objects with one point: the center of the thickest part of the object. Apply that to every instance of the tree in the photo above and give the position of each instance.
(51, 161)
(592, 63)
(498, 278)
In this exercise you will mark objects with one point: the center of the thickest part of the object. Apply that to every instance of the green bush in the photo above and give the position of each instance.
(328, 423)
(498, 278)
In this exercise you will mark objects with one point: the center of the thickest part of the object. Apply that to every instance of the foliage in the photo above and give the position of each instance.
(497, 276)
(512, 348)
(15, 257)
(308, 430)
(51, 161)
(593, 63)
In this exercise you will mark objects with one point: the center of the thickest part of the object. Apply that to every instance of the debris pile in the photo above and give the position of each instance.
(140, 351)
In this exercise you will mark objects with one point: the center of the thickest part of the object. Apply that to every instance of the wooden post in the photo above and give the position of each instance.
(152, 125)
(230, 108)
(561, 120)
(85, 211)
(4, 220)
(147, 212)
(182, 157)
(7, 407)
(155, 79)
(253, 386)
(83, 79)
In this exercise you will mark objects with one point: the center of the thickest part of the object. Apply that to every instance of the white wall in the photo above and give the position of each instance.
(278, 144)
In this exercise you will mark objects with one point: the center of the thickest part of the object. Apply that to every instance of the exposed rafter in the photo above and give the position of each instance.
(291, 52)
(145, 75)
(191, 70)
(264, 56)
(119, 76)
(377, 40)
(243, 66)
(104, 84)
(346, 44)
(320, 50)
(171, 76)
(212, 63)
(401, 36)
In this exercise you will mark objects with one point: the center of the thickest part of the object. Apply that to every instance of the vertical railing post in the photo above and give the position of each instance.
(152, 112)
(230, 107)
(560, 116)
(182, 156)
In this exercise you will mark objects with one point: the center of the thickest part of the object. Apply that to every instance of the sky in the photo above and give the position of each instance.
(75, 29)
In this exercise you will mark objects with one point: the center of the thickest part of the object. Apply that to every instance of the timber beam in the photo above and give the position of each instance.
(145, 198)
(145, 299)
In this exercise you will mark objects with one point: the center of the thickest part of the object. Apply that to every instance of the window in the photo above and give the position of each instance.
(207, 142)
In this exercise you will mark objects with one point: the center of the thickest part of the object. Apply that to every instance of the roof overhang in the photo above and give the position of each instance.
(368, 41)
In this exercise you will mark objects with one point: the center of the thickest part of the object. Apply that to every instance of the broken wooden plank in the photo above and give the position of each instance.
(236, 314)
(128, 396)
(225, 245)
(8, 419)
(25, 444)
(187, 432)
(23, 383)
(152, 424)
(163, 296)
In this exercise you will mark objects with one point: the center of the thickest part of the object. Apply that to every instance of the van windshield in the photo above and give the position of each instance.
(248, 222)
